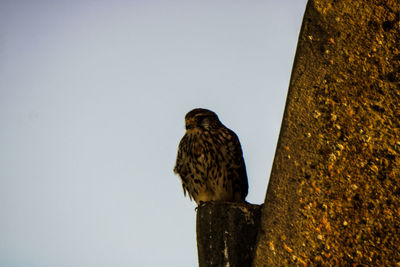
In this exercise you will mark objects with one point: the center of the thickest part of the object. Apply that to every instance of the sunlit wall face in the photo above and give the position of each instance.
(92, 102)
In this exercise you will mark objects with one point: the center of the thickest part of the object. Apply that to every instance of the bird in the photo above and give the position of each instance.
(210, 160)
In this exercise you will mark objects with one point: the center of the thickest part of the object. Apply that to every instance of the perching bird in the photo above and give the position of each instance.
(210, 160)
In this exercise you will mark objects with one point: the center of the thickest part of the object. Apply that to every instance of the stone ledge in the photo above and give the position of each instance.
(226, 233)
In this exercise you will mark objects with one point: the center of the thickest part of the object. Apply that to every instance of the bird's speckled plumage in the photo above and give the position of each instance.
(210, 160)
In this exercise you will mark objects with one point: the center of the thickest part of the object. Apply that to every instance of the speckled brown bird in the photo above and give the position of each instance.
(210, 160)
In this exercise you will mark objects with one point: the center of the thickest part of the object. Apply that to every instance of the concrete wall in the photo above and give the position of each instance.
(334, 191)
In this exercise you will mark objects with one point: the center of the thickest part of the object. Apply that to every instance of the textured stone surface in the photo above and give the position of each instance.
(226, 233)
(334, 191)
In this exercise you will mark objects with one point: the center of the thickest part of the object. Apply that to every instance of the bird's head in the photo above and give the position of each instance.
(201, 119)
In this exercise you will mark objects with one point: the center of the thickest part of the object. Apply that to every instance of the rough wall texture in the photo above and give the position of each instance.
(334, 191)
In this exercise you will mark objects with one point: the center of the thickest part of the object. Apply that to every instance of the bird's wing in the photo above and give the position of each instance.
(180, 165)
(239, 168)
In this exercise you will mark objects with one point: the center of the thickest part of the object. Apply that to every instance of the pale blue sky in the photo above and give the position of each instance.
(92, 102)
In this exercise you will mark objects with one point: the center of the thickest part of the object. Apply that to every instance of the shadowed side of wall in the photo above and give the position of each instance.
(334, 191)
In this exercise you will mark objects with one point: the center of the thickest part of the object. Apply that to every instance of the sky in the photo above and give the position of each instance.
(93, 96)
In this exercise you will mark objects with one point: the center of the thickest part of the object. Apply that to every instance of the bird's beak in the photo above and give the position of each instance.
(189, 124)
